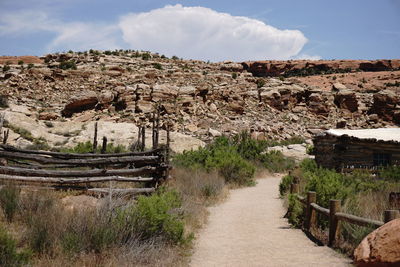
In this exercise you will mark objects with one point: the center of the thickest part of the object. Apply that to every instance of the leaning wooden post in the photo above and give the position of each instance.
(95, 138)
(139, 138)
(104, 146)
(334, 207)
(168, 143)
(310, 213)
(153, 130)
(390, 215)
(294, 188)
(143, 138)
(1, 123)
(157, 127)
(5, 136)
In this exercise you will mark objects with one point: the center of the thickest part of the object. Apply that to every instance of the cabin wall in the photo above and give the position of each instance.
(336, 152)
(324, 151)
(362, 153)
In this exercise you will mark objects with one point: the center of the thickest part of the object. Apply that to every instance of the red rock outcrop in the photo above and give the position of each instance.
(80, 103)
(385, 104)
(304, 67)
(381, 247)
(25, 59)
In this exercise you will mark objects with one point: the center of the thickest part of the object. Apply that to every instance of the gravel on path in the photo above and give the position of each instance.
(248, 229)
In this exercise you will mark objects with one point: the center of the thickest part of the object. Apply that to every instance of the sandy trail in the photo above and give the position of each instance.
(249, 230)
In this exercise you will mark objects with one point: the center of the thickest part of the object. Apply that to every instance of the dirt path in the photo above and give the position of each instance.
(248, 230)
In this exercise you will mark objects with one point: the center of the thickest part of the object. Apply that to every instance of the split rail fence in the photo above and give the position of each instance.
(335, 215)
(89, 172)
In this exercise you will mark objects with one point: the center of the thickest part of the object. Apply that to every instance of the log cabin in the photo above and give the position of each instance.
(367, 148)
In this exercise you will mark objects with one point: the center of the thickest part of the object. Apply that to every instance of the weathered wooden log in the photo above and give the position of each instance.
(53, 180)
(320, 209)
(5, 136)
(77, 173)
(76, 155)
(334, 207)
(129, 191)
(144, 140)
(358, 220)
(310, 213)
(104, 146)
(81, 162)
(95, 138)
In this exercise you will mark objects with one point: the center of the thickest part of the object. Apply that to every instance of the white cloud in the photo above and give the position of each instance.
(71, 35)
(202, 33)
(308, 57)
(188, 32)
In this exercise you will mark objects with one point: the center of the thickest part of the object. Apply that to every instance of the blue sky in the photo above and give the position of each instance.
(207, 30)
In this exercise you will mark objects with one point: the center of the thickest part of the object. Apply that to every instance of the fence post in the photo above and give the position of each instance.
(143, 138)
(95, 138)
(310, 213)
(390, 215)
(334, 207)
(104, 146)
(294, 188)
(5, 136)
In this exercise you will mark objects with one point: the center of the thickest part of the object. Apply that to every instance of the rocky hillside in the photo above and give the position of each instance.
(204, 99)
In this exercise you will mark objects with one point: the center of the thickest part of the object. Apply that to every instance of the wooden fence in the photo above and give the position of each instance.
(85, 172)
(335, 215)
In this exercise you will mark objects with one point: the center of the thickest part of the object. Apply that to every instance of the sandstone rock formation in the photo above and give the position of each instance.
(195, 96)
(381, 247)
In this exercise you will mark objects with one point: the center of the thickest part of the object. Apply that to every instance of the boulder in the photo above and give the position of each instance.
(384, 104)
(317, 104)
(144, 106)
(338, 87)
(381, 247)
(272, 98)
(48, 116)
(239, 109)
(346, 99)
(85, 101)
(164, 92)
(214, 133)
(105, 98)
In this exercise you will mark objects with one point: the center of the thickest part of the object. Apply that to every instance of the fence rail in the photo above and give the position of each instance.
(335, 215)
(58, 170)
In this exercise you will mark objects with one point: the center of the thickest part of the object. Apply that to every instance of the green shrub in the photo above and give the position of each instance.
(146, 56)
(285, 183)
(3, 101)
(295, 211)
(260, 83)
(234, 75)
(391, 173)
(175, 58)
(157, 66)
(234, 158)
(90, 231)
(31, 65)
(9, 201)
(6, 68)
(9, 256)
(65, 65)
(275, 161)
(87, 147)
(20, 62)
(231, 166)
(154, 216)
(248, 147)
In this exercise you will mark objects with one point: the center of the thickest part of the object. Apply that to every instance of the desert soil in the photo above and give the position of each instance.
(249, 230)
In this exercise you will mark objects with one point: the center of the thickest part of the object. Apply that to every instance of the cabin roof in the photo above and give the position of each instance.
(379, 134)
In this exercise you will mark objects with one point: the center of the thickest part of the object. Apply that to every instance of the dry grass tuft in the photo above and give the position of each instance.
(198, 189)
